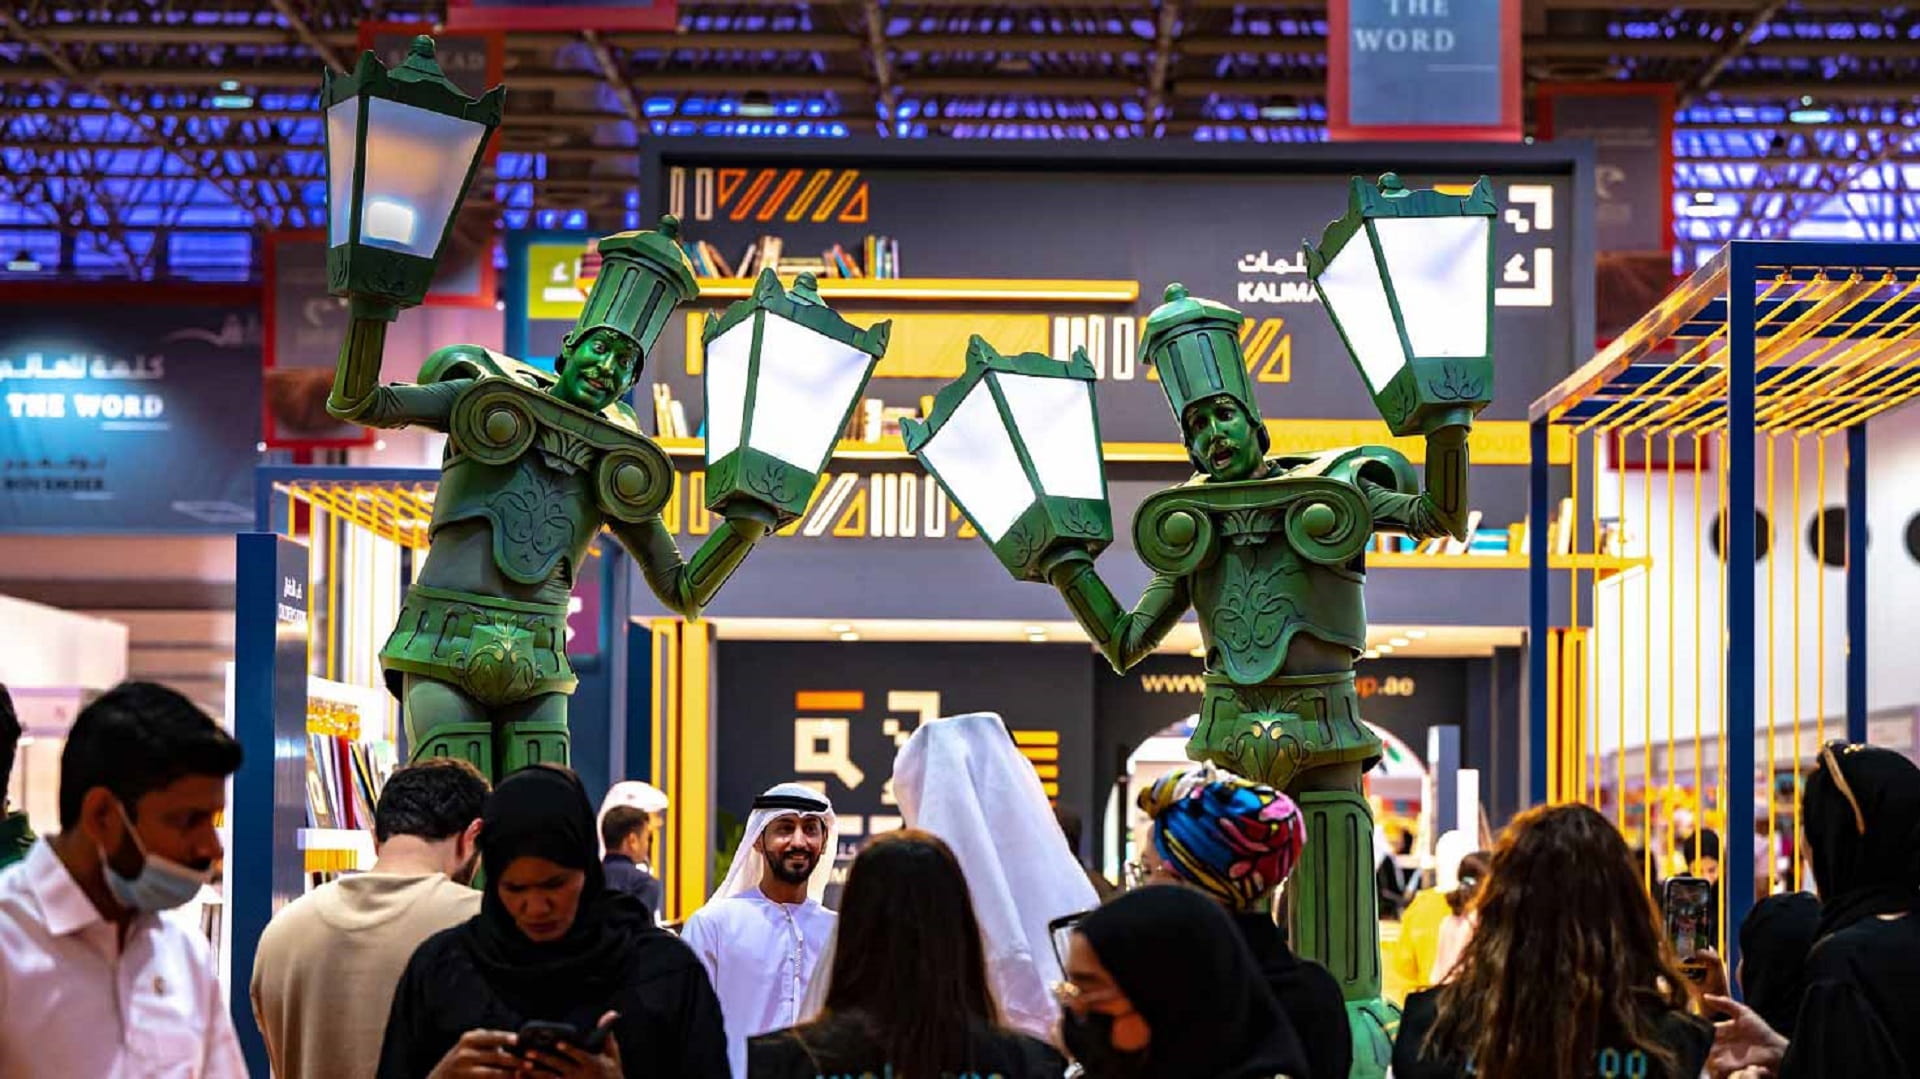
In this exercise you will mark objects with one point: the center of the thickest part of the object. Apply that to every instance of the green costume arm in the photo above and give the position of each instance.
(1440, 509)
(357, 397)
(687, 586)
(1124, 637)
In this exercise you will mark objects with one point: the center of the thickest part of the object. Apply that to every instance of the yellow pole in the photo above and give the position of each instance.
(1673, 641)
(1579, 725)
(1820, 633)
(1793, 545)
(1699, 702)
(1619, 445)
(1646, 651)
(1773, 637)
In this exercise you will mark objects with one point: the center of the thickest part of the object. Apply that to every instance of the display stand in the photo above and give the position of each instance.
(1770, 345)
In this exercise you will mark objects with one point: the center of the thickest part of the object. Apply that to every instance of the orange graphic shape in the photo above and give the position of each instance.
(780, 193)
(829, 700)
(804, 200)
(745, 205)
(727, 181)
(834, 194)
(856, 208)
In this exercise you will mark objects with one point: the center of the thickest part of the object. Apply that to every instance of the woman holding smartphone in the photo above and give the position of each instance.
(1568, 973)
(557, 975)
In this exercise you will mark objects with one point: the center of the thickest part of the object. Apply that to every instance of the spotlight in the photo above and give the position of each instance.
(840, 627)
(1399, 642)
(755, 103)
(1281, 110)
(24, 262)
(849, 637)
(1417, 634)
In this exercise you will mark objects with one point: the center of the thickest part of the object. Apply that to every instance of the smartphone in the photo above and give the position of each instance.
(538, 1034)
(1689, 912)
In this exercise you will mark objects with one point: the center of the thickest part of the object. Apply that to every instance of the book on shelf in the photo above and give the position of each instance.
(344, 780)
(879, 256)
(1459, 546)
(1562, 535)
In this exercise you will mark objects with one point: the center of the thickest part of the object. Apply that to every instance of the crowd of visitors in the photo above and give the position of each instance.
(512, 932)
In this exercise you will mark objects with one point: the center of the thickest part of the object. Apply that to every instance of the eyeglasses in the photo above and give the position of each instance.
(1829, 757)
(1060, 934)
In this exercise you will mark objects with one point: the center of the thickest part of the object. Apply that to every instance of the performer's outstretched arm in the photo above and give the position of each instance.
(686, 586)
(358, 397)
(1124, 637)
(1441, 508)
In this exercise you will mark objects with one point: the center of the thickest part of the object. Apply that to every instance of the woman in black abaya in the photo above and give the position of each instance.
(551, 943)
(1861, 1012)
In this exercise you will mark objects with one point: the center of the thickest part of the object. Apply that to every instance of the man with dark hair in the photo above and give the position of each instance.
(324, 976)
(92, 980)
(1069, 822)
(16, 837)
(628, 835)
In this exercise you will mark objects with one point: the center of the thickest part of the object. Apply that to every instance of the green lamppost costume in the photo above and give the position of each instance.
(535, 464)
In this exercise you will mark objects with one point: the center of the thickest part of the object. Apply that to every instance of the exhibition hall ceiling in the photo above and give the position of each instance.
(198, 114)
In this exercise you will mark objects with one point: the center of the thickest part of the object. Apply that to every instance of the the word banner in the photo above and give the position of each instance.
(1423, 69)
(573, 15)
(129, 412)
(304, 327)
(1631, 128)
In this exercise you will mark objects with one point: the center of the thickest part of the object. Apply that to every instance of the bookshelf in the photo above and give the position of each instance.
(350, 752)
(1604, 565)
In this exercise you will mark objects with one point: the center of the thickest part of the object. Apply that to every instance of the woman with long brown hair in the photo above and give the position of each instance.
(1567, 975)
(908, 995)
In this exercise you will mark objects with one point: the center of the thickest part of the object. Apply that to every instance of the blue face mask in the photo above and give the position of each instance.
(160, 885)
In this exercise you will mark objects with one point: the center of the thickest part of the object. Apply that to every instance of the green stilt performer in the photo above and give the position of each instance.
(1269, 552)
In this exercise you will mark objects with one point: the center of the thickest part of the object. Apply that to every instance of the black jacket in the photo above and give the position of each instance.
(1307, 993)
(844, 1048)
(624, 876)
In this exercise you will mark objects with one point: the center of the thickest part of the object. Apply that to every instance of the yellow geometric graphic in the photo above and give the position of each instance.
(856, 208)
(1270, 350)
(780, 193)
(804, 200)
(853, 519)
(966, 530)
(818, 489)
(834, 194)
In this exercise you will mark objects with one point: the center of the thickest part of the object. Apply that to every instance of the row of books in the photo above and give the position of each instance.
(1512, 539)
(880, 257)
(344, 780)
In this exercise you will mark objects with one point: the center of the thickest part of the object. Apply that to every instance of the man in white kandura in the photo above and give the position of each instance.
(762, 933)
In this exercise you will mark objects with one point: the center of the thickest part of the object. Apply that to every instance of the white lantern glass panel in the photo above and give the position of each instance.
(1357, 299)
(974, 457)
(1055, 419)
(1439, 270)
(807, 383)
(728, 358)
(343, 121)
(416, 162)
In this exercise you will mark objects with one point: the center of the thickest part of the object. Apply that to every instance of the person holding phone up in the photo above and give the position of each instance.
(557, 975)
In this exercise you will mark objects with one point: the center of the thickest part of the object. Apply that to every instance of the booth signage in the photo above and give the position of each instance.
(137, 421)
(1423, 69)
(1631, 128)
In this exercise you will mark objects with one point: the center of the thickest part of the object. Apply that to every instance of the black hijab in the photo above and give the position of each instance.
(1866, 850)
(1774, 942)
(543, 812)
(1182, 965)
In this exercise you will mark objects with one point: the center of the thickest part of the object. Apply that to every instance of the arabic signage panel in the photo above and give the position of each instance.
(129, 410)
(1423, 69)
(1631, 128)
(570, 15)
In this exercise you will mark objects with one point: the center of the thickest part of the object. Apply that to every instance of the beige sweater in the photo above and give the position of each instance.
(324, 976)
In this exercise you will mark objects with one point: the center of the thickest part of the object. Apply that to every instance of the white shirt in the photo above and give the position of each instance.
(75, 1001)
(760, 956)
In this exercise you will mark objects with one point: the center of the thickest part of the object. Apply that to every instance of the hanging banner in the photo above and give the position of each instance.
(1631, 128)
(571, 15)
(128, 409)
(1423, 70)
(302, 329)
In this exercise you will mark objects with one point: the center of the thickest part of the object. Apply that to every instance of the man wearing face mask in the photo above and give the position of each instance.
(762, 933)
(324, 975)
(93, 982)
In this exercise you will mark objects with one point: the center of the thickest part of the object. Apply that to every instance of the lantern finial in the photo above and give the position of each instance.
(1390, 185)
(1175, 292)
(806, 289)
(422, 46)
(669, 227)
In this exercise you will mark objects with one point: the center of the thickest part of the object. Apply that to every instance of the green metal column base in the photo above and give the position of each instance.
(1374, 1024)
(471, 742)
(532, 742)
(1333, 916)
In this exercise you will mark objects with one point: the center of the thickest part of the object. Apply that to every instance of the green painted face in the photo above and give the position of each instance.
(597, 370)
(1221, 437)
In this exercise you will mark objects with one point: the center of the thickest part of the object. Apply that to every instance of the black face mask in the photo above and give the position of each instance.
(1089, 1038)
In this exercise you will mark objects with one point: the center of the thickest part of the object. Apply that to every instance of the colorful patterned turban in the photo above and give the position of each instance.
(1230, 837)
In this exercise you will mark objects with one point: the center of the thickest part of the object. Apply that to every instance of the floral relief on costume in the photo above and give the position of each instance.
(499, 665)
(1256, 606)
(535, 515)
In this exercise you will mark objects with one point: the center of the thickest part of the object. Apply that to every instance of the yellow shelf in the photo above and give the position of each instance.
(1605, 565)
(953, 289)
(893, 449)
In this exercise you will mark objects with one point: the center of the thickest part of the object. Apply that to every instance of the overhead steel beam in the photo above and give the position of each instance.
(882, 61)
(297, 22)
(615, 78)
(1166, 26)
(1731, 51)
(90, 81)
(1097, 44)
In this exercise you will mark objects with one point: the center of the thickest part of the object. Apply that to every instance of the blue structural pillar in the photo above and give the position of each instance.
(1856, 583)
(1737, 873)
(1538, 615)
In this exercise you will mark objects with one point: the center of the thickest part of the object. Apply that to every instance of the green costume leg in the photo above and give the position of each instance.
(1333, 908)
(444, 722)
(532, 732)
